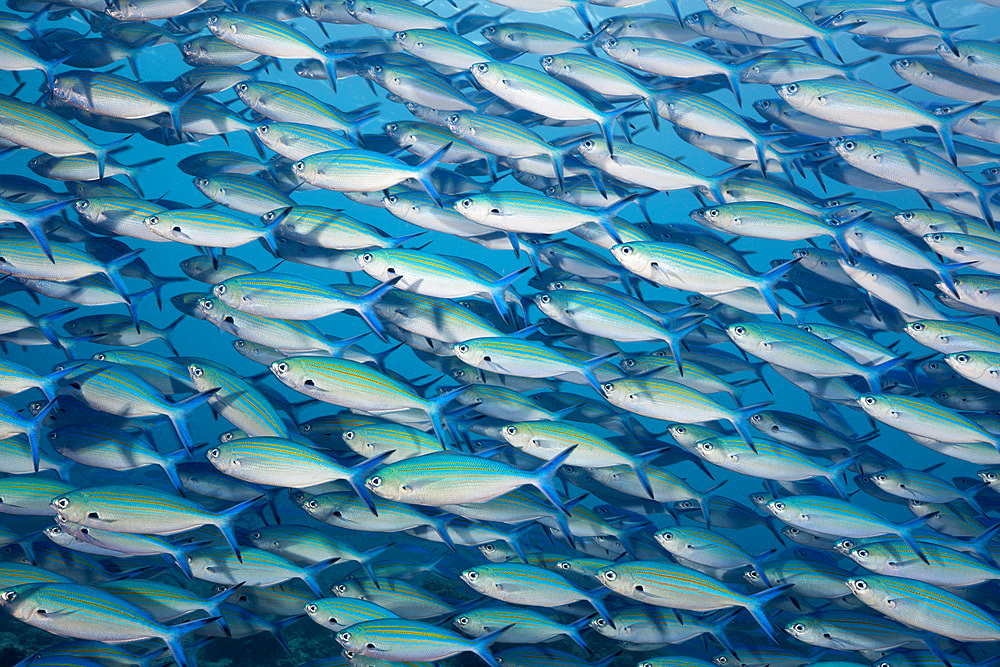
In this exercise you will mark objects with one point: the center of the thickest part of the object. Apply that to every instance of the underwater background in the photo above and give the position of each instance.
(191, 337)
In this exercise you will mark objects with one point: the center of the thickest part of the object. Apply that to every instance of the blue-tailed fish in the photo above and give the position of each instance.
(133, 509)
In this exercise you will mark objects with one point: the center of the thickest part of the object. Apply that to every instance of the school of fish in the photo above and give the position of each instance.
(486, 394)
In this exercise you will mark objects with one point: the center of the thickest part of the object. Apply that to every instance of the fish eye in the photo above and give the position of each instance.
(214, 453)
(904, 62)
(917, 326)
(152, 220)
(608, 387)
(311, 608)
(348, 435)
(471, 575)
(220, 289)
(860, 584)
(707, 446)
(962, 358)
(213, 19)
(510, 430)
(713, 212)
(562, 565)
(62, 503)
(739, 331)
(792, 88)
(753, 574)
(481, 68)
(849, 145)
(869, 400)
(612, 43)
(367, 257)
(344, 636)
(463, 348)
(721, 660)
(81, 205)
(9, 596)
(779, 505)
(798, 627)
(375, 481)
(462, 620)
(282, 367)
(545, 298)
(547, 60)
(626, 250)
(197, 371)
(610, 575)
(862, 553)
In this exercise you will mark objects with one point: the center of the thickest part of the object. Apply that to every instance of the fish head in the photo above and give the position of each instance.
(857, 151)
(520, 434)
(973, 365)
(377, 263)
(878, 406)
(621, 580)
(799, 95)
(224, 459)
(21, 602)
(76, 507)
(714, 450)
(804, 629)
(556, 66)
(489, 75)
(479, 579)
(475, 353)
(866, 589)
(624, 50)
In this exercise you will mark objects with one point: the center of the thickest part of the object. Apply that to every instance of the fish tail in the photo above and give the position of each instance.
(874, 373)
(574, 630)
(733, 80)
(35, 224)
(608, 120)
(641, 462)
(179, 556)
(498, 290)
(365, 305)
(435, 409)
(169, 466)
(102, 151)
(180, 411)
(214, 605)
(769, 280)
(177, 105)
(175, 633)
(717, 629)
(608, 214)
(594, 598)
(741, 422)
(452, 21)
(113, 270)
(838, 474)
(226, 519)
(945, 128)
(46, 324)
(481, 645)
(543, 476)
(312, 571)
(366, 561)
(755, 605)
(907, 531)
(587, 368)
(426, 170)
(33, 430)
(360, 472)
